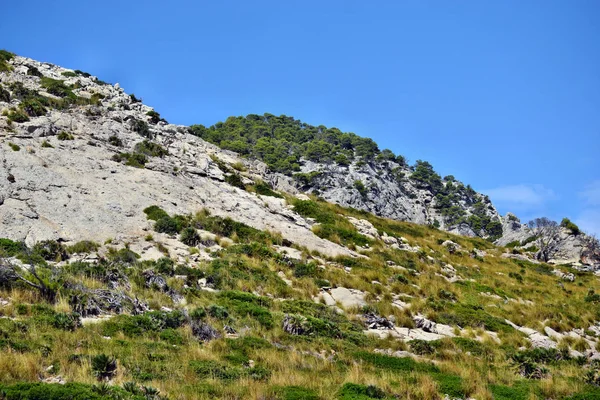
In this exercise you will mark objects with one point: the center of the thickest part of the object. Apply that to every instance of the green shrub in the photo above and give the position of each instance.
(46, 144)
(69, 74)
(115, 141)
(171, 336)
(302, 269)
(65, 136)
(155, 117)
(50, 250)
(10, 248)
(358, 185)
(150, 149)
(235, 180)
(155, 213)
(421, 347)
(57, 87)
(141, 128)
(103, 366)
(167, 225)
(4, 95)
(473, 316)
(17, 116)
(124, 255)
(84, 246)
(131, 159)
(264, 189)
(14, 147)
(55, 391)
(296, 393)
(33, 108)
(396, 364)
(207, 369)
(189, 236)
(353, 391)
(568, 224)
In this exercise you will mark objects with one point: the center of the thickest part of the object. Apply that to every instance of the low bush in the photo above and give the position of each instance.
(396, 364)
(150, 149)
(264, 189)
(295, 393)
(155, 213)
(17, 116)
(235, 180)
(189, 236)
(353, 391)
(84, 246)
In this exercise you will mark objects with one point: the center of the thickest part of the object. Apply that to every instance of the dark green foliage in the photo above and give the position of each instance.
(17, 116)
(5, 56)
(189, 236)
(218, 312)
(358, 185)
(57, 87)
(10, 248)
(164, 265)
(55, 391)
(396, 364)
(150, 149)
(50, 250)
(307, 180)
(264, 189)
(141, 128)
(33, 71)
(64, 136)
(84, 246)
(282, 141)
(69, 74)
(296, 393)
(302, 269)
(103, 366)
(115, 141)
(354, 391)
(312, 209)
(450, 385)
(171, 336)
(4, 95)
(33, 108)
(167, 225)
(124, 255)
(155, 213)
(46, 144)
(135, 325)
(134, 99)
(213, 369)
(592, 297)
(589, 393)
(131, 159)
(473, 316)
(427, 177)
(469, 345)
(235, 180)
(247, 304)
(421, 347)
(228, 227)
(568, 224)
(155, 117)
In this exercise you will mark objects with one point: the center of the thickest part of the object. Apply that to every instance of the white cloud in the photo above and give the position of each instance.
(589, 221)
(591, 194)
(520, 197)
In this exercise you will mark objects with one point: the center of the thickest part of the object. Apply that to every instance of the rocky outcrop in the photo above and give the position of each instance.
(74, 189)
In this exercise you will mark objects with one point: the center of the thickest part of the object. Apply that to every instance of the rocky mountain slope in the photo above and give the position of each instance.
(351, 171)
(138, 261)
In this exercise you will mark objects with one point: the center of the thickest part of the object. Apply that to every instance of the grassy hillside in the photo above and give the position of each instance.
(244, 324)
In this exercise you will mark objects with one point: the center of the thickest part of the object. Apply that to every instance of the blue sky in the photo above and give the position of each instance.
(505, 95)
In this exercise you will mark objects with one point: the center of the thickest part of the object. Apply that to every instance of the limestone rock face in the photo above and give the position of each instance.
(75, 190)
